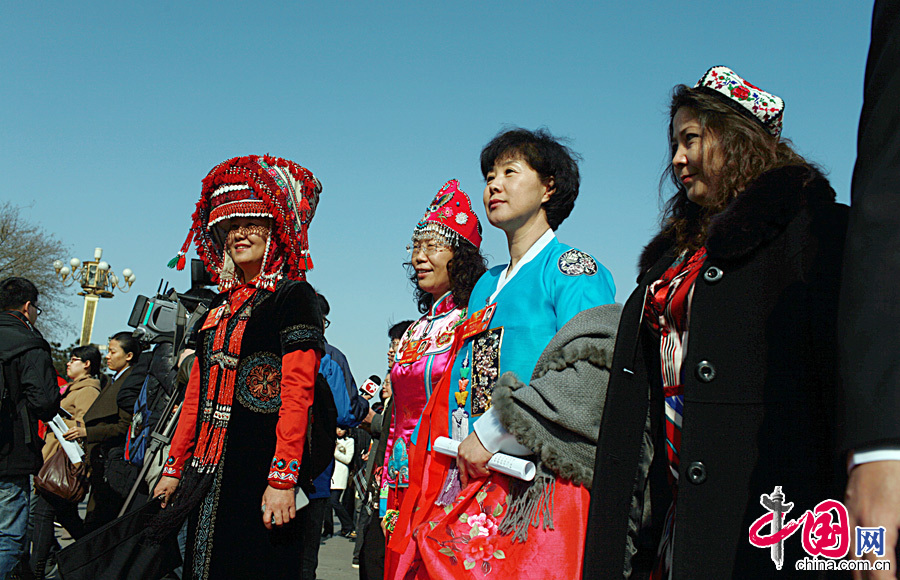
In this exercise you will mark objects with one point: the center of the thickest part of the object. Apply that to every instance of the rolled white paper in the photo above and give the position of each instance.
(71, 448)
(501, 462)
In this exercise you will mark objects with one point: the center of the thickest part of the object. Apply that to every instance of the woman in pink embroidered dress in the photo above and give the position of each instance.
(445, 262)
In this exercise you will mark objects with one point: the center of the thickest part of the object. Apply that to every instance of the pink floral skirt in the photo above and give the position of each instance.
(463, 540)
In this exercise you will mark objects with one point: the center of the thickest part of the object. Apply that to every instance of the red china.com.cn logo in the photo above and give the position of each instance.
(825, 532)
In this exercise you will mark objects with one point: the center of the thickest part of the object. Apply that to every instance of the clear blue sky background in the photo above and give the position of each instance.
(112, 112)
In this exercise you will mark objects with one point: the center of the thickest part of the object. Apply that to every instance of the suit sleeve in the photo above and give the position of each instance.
(106, 431)
(376, 425)
(335, 379)
(360, 408)
(134, 382)
(38, 380)
(870, 296)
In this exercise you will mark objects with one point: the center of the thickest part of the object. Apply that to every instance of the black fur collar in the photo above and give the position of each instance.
(756, 216)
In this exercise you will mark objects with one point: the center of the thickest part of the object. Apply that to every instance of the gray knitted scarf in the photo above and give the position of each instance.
(557, 415)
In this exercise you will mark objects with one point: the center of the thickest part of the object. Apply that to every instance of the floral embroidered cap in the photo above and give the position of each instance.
(766, 108)
(450, 216)
(255, 186)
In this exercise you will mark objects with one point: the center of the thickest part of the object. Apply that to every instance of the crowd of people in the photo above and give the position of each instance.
(653, 430)
(86, 404)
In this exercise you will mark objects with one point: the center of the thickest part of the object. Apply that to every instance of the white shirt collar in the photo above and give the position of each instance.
(506, 275)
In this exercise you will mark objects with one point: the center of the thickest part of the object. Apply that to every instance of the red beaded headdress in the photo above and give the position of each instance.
(255, 186)
(450, 216)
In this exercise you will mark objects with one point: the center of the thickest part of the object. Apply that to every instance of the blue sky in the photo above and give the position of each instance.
(112, 113)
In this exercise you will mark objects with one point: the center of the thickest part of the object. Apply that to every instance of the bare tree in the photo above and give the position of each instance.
(27, 250)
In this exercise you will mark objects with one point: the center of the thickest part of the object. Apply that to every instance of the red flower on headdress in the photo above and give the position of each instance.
(740, 92)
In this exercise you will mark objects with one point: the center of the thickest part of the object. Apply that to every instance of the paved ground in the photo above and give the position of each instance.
(335, 555)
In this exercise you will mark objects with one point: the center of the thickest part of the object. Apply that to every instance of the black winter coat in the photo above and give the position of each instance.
(759, 387)
(31, 394)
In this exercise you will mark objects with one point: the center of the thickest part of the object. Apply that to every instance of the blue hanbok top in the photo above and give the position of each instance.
(543, 294)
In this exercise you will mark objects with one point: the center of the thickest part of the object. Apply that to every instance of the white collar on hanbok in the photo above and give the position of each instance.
(506, 275)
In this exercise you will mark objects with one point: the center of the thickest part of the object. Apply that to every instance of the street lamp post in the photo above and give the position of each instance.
(97, 281)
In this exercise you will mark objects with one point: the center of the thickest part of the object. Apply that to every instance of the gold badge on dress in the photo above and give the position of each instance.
(485, 368)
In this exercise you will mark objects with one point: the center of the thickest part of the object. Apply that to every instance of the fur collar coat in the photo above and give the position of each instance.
(755, 217)
(759, 386)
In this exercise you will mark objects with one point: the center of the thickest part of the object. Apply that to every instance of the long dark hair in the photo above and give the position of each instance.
(465, 268)
(747, 151)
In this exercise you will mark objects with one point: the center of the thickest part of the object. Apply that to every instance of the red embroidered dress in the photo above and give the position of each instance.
(243, 426)
(667, 313)
(463, 539)
(421, 359)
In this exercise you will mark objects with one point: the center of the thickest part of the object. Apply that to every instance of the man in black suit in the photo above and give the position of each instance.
(870, 299)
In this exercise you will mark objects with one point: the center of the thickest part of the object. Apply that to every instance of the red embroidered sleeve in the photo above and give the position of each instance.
(183, 440)
(298, 377)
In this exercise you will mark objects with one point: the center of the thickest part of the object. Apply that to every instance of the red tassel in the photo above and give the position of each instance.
(178, 261)
(187, 242)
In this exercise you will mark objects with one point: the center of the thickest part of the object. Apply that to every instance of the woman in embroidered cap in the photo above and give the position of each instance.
(459, 519)
(723, 381)
(240, 447)
(445, 263)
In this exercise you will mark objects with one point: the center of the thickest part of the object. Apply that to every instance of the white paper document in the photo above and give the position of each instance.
(72, 448)
(300, 498)
(500, 462)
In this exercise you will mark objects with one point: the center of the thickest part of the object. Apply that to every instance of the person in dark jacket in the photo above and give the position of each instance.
(724, 374)
(159, 365)
(105, 425)
(336, 368)
(28, 392)
(870, 296)
(371, 544)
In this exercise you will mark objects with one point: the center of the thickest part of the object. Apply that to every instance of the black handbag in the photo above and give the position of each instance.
(118, 473)
(118, 550)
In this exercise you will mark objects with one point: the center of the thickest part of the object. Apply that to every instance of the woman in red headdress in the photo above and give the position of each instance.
(239, 450)
(445, 263)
